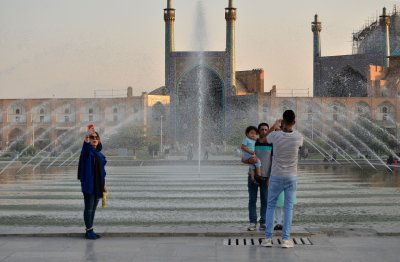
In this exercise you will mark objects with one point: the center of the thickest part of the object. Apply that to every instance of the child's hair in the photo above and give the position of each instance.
(250, 128)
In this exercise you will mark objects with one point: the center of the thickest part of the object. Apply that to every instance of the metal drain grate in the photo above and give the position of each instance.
(298, 241)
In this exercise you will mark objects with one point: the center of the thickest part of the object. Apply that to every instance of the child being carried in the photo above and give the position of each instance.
(248, 147)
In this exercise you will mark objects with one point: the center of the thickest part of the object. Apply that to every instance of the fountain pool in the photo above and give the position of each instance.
(328, 196)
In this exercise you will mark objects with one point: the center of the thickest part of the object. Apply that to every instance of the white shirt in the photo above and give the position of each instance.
(286, 149)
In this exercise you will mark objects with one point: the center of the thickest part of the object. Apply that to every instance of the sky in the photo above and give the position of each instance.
(70, 48)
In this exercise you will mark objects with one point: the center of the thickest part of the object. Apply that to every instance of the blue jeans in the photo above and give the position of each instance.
(253, 192)
(277, 184)
(91, 203)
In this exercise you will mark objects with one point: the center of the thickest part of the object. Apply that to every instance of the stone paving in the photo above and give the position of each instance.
(181, 243)
(166, 249)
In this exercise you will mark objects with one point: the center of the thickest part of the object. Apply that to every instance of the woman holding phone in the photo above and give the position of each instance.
(91, 173)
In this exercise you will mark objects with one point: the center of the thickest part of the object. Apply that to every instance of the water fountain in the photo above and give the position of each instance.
(177, 195)
(200, 43)
(340, 130)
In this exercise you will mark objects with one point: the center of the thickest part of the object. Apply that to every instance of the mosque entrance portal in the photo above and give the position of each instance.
(200, 89)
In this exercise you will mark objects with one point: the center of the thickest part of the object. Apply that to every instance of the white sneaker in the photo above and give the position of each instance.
(252, 227)
(287, 244)
(266, 242)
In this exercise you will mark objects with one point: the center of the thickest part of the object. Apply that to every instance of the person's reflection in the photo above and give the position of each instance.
(395, 170)
(90, 254)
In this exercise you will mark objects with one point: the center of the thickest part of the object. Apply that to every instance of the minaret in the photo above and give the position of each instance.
(169, 18)
(385, 23)
(316, 28)
(230, 17)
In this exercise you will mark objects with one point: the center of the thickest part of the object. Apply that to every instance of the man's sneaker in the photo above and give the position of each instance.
(287, 244)
(262, 227)
(252, 227)
(266, 242)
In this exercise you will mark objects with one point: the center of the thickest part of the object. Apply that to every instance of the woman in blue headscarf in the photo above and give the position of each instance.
(91, 173)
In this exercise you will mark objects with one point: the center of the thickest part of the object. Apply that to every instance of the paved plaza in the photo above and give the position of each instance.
(165, 249)
(183, 243)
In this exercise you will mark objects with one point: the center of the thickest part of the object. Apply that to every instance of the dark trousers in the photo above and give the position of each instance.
(253, 192)
(91, 203)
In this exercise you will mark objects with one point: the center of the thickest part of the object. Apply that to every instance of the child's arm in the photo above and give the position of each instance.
(246, 149)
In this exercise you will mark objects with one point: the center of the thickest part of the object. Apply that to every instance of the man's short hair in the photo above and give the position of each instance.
(289, 117)
(262, 124)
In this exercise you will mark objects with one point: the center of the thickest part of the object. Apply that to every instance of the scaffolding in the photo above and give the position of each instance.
(359, 38)
(370, 38)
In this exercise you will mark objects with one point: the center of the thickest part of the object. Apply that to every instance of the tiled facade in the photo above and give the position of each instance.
(349, 75)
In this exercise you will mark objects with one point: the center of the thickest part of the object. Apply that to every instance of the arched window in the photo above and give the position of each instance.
(335, 113)
(361, 109)
(384, 113)
(66, 111)
(90, 110)
(41, 111)
(309, 113)
(17, 111)
(265, 108)
(115, 110)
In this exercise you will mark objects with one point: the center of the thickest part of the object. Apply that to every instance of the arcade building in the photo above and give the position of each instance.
(366, 83)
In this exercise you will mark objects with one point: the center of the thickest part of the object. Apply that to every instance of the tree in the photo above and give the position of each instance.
(128, 136)
(237, 132)
(20, 147)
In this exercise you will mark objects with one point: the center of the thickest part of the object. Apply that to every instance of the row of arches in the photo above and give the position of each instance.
(64, 114)
(39, 137)
(336, 110)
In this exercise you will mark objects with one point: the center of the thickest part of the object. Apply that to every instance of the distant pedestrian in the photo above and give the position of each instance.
(390, 159)
(205, 155)
(334, 156)
(190, 153)
(91, 173)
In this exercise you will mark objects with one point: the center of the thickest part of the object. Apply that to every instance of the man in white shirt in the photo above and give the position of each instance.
(286, 144)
